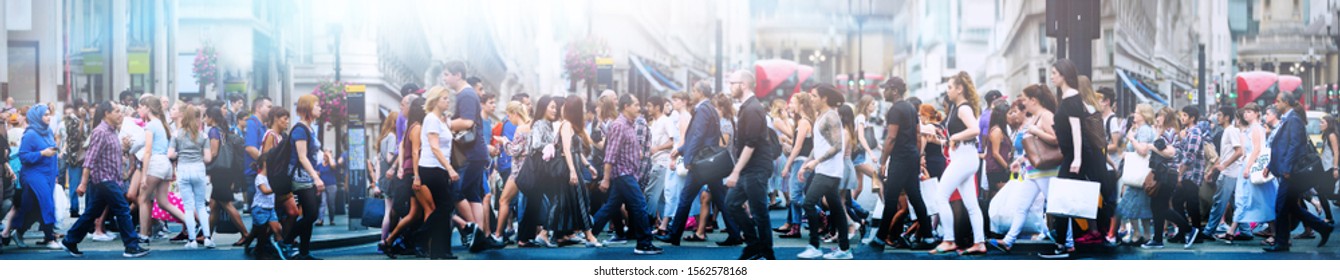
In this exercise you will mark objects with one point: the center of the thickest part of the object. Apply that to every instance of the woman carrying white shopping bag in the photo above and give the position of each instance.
(1082, 159)
(1038, 102)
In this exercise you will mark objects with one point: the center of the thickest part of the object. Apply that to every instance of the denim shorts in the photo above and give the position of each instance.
(261, 216)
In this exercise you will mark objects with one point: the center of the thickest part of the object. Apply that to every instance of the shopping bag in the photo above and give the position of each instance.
(1072, 198)
(1258, 171)
(62, 199)
(1007, 201)
(1133, 170)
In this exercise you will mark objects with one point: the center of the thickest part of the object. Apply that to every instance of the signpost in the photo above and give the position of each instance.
(356, 155)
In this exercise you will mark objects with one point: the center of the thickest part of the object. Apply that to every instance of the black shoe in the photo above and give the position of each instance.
(1191, 238)
(730, 242)
(386, 249)
(923, 245)
(768, 254)
(749, 253)
(180, 238)
(72, 248)
(446, 257)
(135, 252)
(1276, 249)
(668, 239)
(4, 241)
(1325, 236)
(74, 214)
(480, 242)
(1055, 254)
(647, 250)
(1152, 244)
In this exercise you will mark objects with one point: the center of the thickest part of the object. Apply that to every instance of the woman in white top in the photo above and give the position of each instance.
(435, 173)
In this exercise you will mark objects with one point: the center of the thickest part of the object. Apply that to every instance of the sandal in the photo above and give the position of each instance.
(939, 250)
(971, 252)
(1308, 235)
(695, 238)
(999, 245)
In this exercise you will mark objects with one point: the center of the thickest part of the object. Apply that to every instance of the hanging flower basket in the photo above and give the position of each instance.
(206, 66)
(579, 63)
(331, 96)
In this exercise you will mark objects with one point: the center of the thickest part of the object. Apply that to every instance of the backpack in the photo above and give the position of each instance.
(1095, 133)
(276, 165)
(228, 158)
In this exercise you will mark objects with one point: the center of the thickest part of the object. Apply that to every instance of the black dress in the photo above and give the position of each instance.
(571, 203)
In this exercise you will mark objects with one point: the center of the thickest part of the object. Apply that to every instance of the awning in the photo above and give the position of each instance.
(646, 74)
(657, 80)
(1138, 87)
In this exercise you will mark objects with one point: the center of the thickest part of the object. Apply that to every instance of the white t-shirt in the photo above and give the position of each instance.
(1233, 137)
(833, 167)
(262, 200)
(434, 125)
(662, 130)
(136, 135)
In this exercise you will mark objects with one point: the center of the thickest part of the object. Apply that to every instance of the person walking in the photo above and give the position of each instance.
(103, 163)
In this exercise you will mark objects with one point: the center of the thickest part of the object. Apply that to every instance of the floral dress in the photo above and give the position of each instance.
(1134, 202)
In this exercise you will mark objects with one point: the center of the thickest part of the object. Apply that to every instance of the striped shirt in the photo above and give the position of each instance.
(103, 157)
(623, 148)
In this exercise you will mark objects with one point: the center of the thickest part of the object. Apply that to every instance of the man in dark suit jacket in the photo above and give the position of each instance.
(1289, 146)
(704, 131)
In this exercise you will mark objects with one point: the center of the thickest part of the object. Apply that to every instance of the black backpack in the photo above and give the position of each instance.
(277, 161)
(228, 159)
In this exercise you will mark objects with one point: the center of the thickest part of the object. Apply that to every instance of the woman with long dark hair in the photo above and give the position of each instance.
(571, 209)
(1038, 103)
(224, 181)
(409, 144)
(1080, 159)
(542, 137)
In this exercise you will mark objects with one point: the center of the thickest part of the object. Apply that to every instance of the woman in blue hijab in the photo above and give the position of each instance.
(38, 156)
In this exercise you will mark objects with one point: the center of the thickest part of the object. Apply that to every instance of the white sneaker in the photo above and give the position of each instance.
(103, 237)
(838, 255)
(191, 245)
(55, 245)
(810, 253)
(209, 243)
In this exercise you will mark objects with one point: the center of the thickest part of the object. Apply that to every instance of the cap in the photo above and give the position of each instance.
(411, 88)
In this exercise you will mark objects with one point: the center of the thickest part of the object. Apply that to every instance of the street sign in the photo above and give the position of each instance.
(604, 73)
(93, 62)
(138, 61)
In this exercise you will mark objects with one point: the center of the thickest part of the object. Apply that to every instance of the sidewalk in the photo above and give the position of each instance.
(323, 237)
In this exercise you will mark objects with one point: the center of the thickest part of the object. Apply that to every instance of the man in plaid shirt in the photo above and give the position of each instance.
(623, 153)
(1191, 167)
(103, 163)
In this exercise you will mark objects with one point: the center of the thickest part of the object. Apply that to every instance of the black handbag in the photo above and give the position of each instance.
(1308, 162)
(712, 163)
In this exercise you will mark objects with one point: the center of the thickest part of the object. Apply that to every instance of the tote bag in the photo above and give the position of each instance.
(1133, 170)
(1072, 198)
(1257, 173)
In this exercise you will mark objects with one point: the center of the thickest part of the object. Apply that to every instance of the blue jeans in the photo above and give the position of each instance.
(625, 190)
(74, 173)
(1221, 198)
(111, 197)
(797, 190)
(688, 196)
